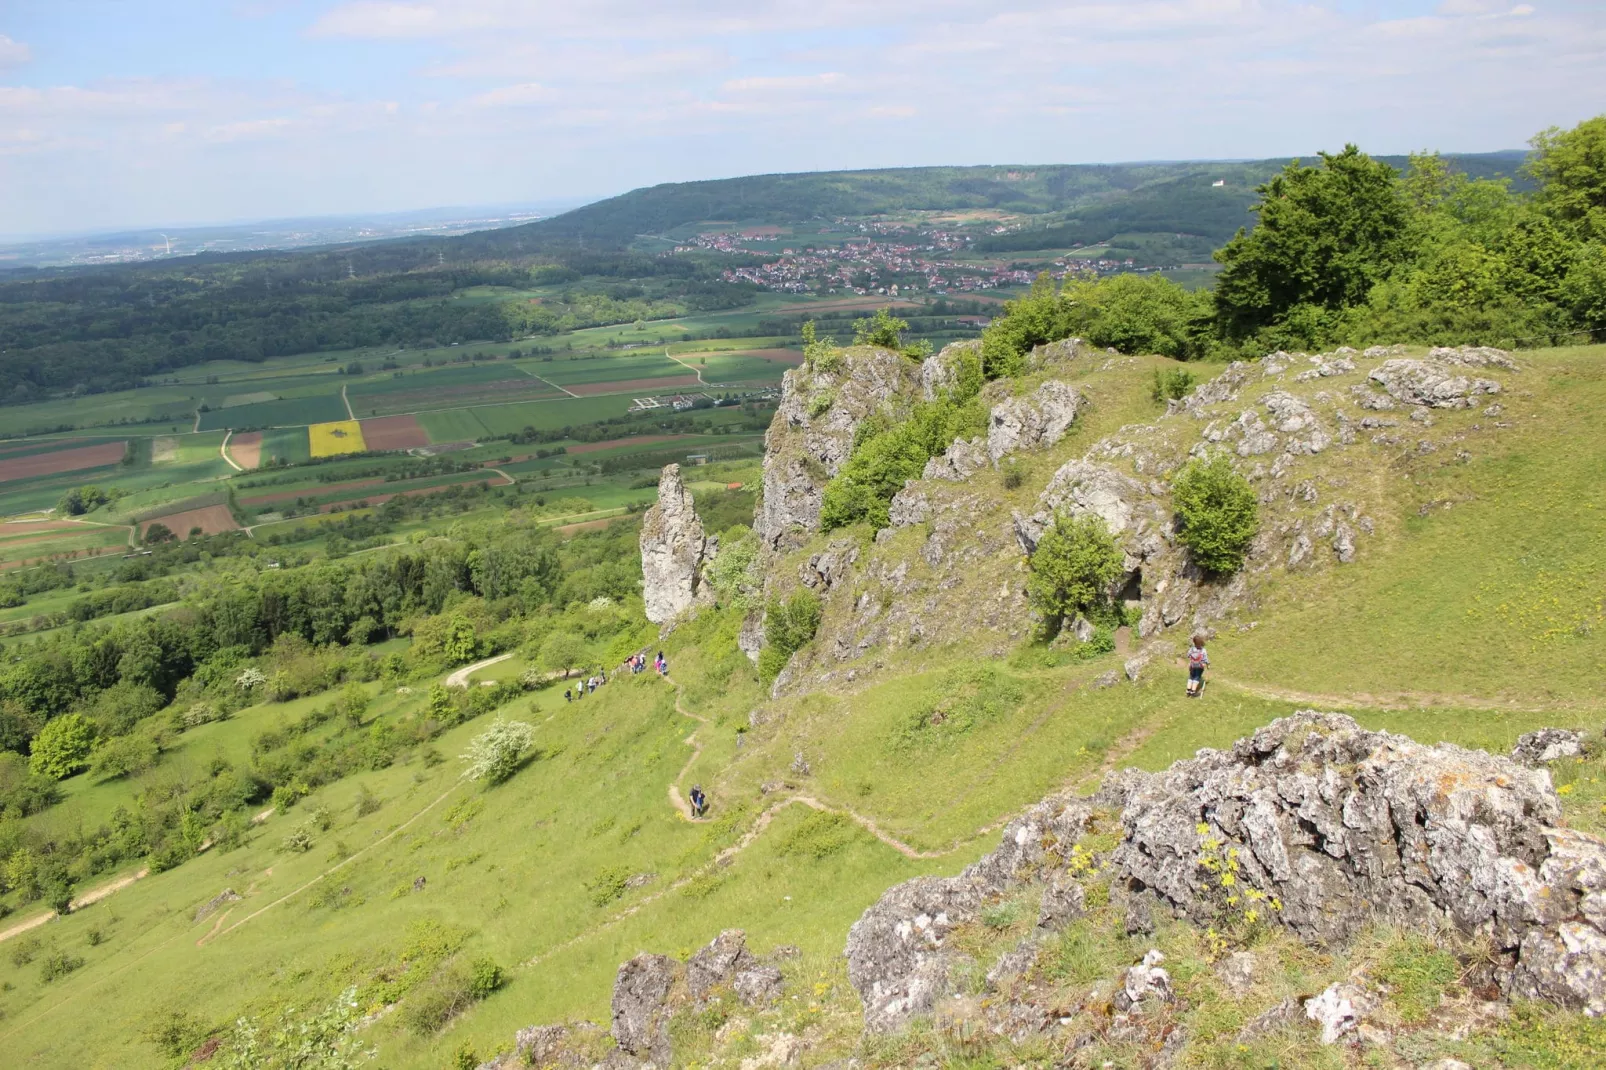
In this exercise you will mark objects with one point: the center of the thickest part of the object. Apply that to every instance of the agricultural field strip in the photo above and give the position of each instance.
(537, 378)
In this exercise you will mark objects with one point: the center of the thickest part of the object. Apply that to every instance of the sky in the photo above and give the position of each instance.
(119, 113)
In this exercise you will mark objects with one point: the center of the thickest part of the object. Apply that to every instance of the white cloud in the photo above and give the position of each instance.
(500, 100)
(785, 83)
(249, 129)
(13, 53)
(514, 96)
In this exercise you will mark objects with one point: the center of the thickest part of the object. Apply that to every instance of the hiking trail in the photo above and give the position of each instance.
(94, 895)
(460, 677)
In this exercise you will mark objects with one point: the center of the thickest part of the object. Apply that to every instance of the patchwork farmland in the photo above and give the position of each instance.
(267, 449)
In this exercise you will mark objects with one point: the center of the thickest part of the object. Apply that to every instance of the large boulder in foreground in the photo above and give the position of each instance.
(1326, 826)
(674, 550)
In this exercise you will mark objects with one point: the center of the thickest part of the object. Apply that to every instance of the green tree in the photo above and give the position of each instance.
(1044, 315)
(562, 651)
(460, 643)
(1218, 510)
(441, 706)
(62, 746)
(353, 703)
(1074, 569)
(1570, 167)
(1325, 236)
(788, 625)
(883, 329)
(124, 755)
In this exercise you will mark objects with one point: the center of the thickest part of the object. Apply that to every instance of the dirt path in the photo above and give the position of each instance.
(675, 798)
(343, 863)
(695, 371)
(863, 821)
(460, 677)
(344, 400)
(224, 449)
(547, 382)
(1397, 700)
(94, 895)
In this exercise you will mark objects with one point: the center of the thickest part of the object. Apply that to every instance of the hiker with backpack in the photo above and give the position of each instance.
(699, 801)
(1198, 660)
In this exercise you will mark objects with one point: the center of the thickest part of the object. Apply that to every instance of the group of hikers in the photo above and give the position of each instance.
(638, 662)
(584, 687)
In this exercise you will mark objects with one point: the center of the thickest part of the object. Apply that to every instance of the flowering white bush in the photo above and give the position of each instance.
(251, 679)
(494, 754)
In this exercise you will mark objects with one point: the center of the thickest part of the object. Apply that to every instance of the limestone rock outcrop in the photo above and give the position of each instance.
(813, 432)
(1033, 422)
(640, 1007)
(896, 951)
(1330, 825)
(1545, 745)
(674, 551)
(1432, 383)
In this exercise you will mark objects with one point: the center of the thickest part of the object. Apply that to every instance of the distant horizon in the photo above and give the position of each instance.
(178, 112)
(553, 206)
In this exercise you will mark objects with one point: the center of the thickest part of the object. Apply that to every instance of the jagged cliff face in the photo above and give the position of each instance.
(674, 551)
(812, 435)
(951, 566)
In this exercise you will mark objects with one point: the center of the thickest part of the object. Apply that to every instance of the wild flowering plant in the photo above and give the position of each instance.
(1239, 905)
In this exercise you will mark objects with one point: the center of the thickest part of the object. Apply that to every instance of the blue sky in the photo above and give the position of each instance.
(144, 112)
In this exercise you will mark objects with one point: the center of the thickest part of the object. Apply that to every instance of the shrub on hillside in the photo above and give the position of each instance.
(495, 753)
(1074, 567)
(1131, 313)
(886, 330)
(884, 458)
(732, 571)
(1218, 511)
(968, 697)
(124, 755)
(788, 626)
(175, 1033)
(324, 1038)
(62, 746)
(1172, 385)
(450, 992)
(59, 964)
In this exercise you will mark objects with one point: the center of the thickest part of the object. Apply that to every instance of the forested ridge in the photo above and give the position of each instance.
(110, 328)
(1349, 250)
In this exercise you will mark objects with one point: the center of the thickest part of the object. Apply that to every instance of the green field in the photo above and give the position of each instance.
(288, 412)
(65, 543)
(593, 370)
(286, 444)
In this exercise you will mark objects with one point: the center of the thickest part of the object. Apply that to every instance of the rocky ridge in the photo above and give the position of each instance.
(1321, 826)
(940, 569)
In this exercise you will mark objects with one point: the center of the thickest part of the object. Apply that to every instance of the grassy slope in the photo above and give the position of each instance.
(1393, 624)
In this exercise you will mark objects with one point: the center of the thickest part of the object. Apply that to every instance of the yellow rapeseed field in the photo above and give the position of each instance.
(337, 436)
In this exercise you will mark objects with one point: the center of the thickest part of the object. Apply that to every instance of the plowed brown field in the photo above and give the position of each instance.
(49, 464)
(393, 433)
(213, 520)
(246, 448)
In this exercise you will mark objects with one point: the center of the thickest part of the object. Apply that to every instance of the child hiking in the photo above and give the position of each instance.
(1198, 659)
